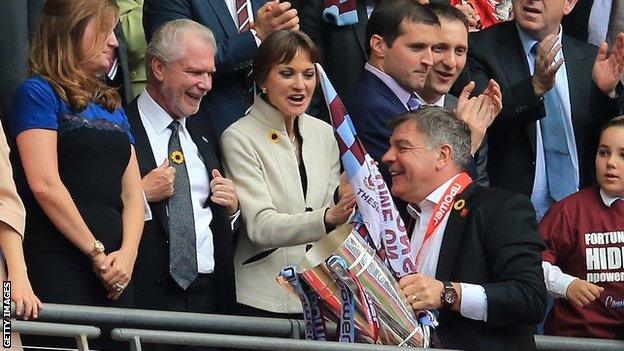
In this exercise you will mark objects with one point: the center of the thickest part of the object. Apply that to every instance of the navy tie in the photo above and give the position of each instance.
(182, 249)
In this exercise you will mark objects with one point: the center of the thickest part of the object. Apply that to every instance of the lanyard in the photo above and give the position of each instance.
(440, 210)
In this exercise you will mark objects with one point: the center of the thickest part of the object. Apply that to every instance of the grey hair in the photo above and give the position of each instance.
(441, 126)
(166, 44)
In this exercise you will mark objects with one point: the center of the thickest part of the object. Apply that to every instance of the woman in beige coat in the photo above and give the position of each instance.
(285, 166)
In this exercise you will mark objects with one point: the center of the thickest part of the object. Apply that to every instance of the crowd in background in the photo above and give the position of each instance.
(176, 155)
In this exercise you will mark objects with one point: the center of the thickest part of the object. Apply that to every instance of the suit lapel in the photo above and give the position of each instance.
(453, 234)
(202, 138)
(145, 157)
(360, 27)
(381, 88)
(223, 14)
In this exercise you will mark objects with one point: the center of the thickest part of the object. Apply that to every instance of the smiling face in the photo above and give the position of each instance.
(449, 59)
(290, 85)
(540, 18)
(182, 83)
(99, 60)
(412, 163)
(610, 161)
(409, 58)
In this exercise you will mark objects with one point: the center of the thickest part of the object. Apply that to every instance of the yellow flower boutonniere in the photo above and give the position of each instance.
(274, 136)
(177, 157)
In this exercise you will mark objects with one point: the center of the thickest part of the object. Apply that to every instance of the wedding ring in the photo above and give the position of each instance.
(414, 298)
(118, 287)
(344, 209)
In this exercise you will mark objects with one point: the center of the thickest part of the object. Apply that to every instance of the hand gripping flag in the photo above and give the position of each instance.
(379, 220)
(340, 12)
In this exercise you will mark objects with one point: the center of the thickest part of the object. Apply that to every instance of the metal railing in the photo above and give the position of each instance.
(136, 336)
(558, 343)
(78, 332)
(243, 332)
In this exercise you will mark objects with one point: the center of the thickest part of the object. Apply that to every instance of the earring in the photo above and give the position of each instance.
(263, 90)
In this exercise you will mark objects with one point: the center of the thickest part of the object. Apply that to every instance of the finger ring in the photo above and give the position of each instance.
(118, 287)
(344, 209)
(414, 298)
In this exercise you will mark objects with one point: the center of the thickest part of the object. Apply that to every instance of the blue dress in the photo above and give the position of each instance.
(93, 149)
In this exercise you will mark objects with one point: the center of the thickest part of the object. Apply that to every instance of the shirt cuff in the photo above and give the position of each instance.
(556, 281)
(234, 218)
(473, 302)
(255, 35)
(147, 215)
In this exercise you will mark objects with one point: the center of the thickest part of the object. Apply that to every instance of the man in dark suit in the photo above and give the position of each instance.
(477, 249)
(401, 36)
(580, 91)
(233, 89)
(187, 189)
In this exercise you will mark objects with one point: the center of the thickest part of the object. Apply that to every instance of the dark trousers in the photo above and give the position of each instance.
(199, 297)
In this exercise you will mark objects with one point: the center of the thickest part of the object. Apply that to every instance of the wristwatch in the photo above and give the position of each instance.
(98, 248)
(449, 295)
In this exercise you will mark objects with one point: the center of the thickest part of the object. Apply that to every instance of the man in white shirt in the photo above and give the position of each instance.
(185, 258)
(477, 249)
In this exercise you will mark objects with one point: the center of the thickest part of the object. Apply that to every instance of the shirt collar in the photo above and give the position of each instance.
(439, 103)
(157, 117)
(401, 93)
(431, 200)
(607, 199)
(528, 41)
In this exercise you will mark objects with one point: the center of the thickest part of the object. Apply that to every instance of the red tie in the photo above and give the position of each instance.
(243, 15)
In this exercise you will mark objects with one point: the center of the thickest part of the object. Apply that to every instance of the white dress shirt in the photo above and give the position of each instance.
(473, 297)
(156, 120)
(439, 102)
(540, 196)
(557, 282)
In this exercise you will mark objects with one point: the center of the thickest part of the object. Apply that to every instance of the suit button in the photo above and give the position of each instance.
(161, 281)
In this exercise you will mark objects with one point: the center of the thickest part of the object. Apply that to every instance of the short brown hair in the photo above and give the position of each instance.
(279, 47)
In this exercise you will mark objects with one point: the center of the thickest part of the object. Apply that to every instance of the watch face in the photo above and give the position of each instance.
(450, 296)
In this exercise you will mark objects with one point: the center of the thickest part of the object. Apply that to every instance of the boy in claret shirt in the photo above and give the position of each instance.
(584, 235)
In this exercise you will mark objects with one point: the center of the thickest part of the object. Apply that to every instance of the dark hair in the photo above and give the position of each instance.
(440, 126)
(279, 47)
(614, 122)
(386, 19)
(448, 12)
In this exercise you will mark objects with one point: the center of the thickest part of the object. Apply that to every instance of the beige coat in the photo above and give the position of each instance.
(260, 160)
(11, 207)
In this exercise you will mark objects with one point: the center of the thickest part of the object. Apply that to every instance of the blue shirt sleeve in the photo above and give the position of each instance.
(35, 106)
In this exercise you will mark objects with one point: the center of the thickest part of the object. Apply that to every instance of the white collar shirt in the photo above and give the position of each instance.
(156, 120)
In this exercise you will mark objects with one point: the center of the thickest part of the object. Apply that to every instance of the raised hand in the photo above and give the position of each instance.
(608, 67)
(158, 184)
(275, 15)
(545, 71)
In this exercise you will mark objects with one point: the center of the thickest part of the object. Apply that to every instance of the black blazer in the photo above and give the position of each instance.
(576, 22)
(497, 53)
(152, 264)
(493, 241)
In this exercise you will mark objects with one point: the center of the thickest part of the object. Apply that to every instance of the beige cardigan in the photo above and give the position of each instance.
(260, 160)
(11, 207)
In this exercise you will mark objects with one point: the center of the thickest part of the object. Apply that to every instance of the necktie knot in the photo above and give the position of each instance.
(413, 103)
(175, 126)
